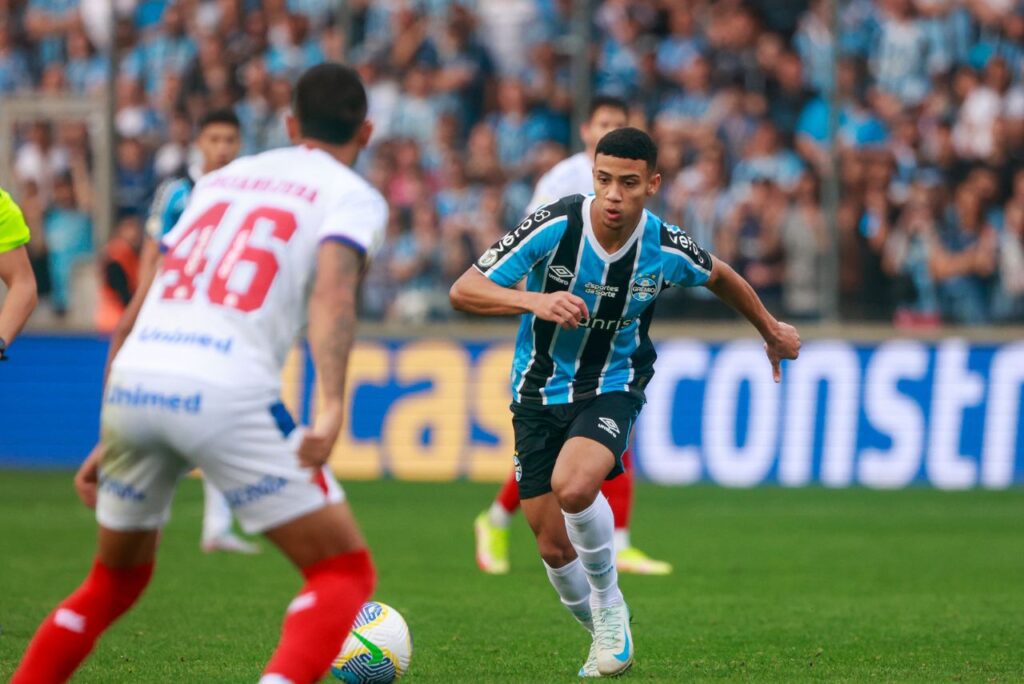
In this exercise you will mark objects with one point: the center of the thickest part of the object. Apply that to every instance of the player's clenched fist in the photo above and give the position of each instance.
(784, 344)
(563, 308)
(315, 448)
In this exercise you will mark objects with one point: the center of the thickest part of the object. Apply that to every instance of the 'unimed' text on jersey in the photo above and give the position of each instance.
(556, 249)
(232, 293)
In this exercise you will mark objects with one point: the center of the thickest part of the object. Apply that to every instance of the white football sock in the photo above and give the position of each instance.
(216, 512)
(574, 589)
(498, 516)
(591, 533)
(621, 539)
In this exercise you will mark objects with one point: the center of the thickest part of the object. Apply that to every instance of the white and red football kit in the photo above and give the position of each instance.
(197, 383)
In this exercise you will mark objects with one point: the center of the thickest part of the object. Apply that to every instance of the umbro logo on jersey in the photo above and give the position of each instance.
(609, 426)
(560, 274)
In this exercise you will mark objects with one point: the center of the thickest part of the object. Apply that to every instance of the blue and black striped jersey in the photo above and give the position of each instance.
(168, 205)
(556, 249)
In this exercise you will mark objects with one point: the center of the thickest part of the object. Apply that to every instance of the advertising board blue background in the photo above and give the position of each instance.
(885, 415)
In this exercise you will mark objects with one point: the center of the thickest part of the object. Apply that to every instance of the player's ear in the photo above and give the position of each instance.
(292, 126)
(653, 183)
(364, 133)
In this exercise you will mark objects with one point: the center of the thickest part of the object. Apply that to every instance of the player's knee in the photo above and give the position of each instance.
(556, 552)
(557, 557)
(574, 496)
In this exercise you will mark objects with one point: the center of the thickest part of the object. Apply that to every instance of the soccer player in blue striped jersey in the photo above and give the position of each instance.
(569, 177)
(594, 267)
(218, 141)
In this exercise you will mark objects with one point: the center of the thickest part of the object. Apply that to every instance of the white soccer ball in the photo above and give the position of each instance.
(377, 650)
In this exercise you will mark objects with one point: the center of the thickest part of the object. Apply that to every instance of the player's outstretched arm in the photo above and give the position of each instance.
(16, 273)
(781, 340)
(477, 294)
(331, 333)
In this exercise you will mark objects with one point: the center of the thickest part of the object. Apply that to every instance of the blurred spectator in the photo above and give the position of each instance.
(752, 238)
(765, 158)
(502, 25)
(804, 241)
(899, 63)
(39, 159)
(683, 112)
(14, 73)
(297, 52)
(417, 268)
(33, 208)
(253, 108)
(907, 261)
(135, 178)
(465, 68)
(275, 131)
(86, 71)
(411, 44)
(963, 260)
(68, 229)
(48, 23)
(515, 127)
(1009, 303)
(135, 117)
(416, 113)
(787, 95)
(472, 102)
(162, 49)
(814, 44)
(173, 155)
(684, 42)
(119, 272)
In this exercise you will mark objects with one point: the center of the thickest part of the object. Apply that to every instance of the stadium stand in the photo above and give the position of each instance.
(472, 102)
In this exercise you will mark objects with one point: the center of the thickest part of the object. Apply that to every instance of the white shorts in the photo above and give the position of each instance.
(157, 428)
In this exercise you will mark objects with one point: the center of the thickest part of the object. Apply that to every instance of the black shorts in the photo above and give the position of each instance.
(541, 431)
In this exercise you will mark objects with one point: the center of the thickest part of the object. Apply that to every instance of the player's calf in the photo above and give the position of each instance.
(69, 633)
(319, 618)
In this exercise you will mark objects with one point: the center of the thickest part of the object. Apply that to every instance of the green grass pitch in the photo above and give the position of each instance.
(770, 585)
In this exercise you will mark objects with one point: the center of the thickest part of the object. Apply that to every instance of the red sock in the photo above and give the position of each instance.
(320, 617)
(68, 634)
(619, 493)
(508, 496)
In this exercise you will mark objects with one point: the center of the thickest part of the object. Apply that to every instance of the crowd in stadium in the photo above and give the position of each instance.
(472, 102)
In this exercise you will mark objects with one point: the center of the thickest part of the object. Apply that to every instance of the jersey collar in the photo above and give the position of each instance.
(588, 232)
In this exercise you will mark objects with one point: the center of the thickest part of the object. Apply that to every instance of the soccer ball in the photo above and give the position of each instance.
(377, 650)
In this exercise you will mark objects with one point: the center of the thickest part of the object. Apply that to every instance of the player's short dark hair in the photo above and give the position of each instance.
(329, 103)
(629, 143)
(612, 101)
(219, 116)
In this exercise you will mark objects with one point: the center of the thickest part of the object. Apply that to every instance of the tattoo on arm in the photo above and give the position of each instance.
(332, 322)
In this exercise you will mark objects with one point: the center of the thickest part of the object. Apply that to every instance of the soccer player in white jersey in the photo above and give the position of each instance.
(266, 244)
(218, 141)
(571, 176)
